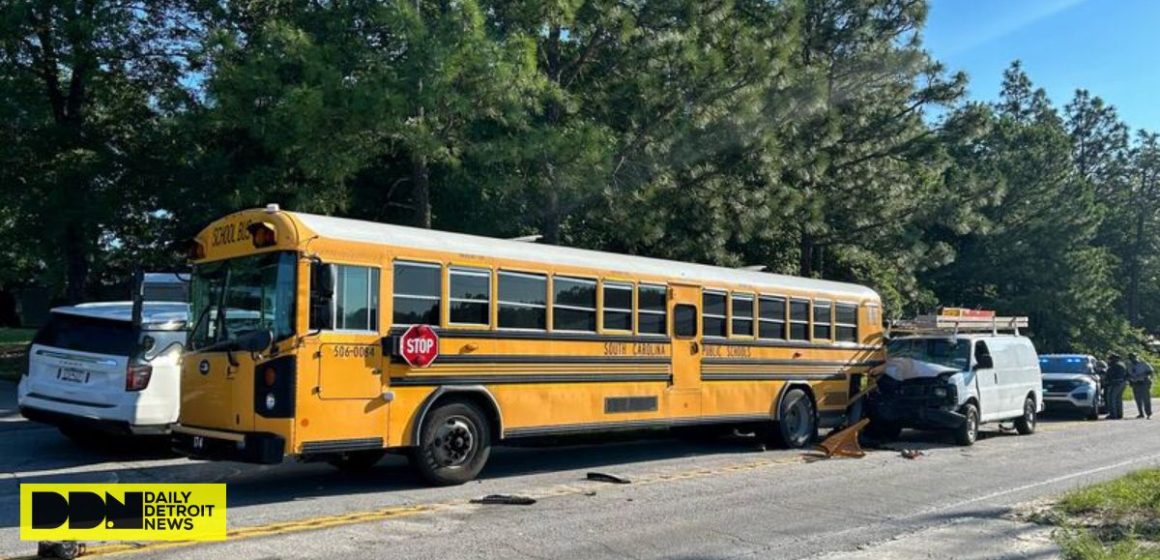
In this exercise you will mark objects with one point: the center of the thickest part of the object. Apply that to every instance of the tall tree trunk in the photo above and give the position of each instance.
(806, 257)
(76, 262)
(1134, 269)
(550, 217)
(420, 179)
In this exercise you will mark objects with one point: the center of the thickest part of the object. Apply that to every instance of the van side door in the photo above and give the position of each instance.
(987, 380)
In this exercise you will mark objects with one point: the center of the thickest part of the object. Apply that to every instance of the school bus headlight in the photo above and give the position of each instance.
(262, 234)
(271, 402)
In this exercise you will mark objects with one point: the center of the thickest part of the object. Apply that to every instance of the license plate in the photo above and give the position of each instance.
(73, 375)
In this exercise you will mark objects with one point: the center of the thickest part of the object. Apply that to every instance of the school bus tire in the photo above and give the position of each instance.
(454, 443)
(797, 423)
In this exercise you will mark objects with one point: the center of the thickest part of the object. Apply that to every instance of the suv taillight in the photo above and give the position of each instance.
(28, 362)
(137, 376)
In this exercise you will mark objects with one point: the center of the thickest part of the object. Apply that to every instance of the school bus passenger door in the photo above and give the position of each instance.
(684, 392)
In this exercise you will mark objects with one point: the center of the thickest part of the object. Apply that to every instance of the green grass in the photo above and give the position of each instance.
(1119, 519)
(13, 360)
(16, 336)
(1128, 395)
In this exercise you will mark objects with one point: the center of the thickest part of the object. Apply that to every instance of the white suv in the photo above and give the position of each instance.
(90, 370)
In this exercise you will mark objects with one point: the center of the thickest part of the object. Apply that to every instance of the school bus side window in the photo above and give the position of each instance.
(846, 321)
(799, 319)
(822, 327)
(357, 298)
(617, 306)
(742, 314)
(573, 304)
(469, 296)
(771, 313)
(523, 301)
(713, 313)
(651, 317)
(417, 293)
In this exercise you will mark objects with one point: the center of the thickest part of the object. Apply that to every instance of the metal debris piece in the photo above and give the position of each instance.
(605, 477)
(844, 443)
(911, 453)
(505, 499)
(60, 550)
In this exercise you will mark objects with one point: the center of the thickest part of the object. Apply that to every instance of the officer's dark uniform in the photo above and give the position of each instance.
(1140, 376)
(1117, 378)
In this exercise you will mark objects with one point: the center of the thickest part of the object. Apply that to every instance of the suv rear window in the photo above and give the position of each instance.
(87, 334)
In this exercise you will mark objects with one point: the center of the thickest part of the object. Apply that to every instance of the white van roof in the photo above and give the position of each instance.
(152, 312)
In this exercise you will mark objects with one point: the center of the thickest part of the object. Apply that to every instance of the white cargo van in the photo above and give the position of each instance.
(90, 370)
(957, 380)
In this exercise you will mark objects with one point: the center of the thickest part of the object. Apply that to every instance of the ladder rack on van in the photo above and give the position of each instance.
(953, 325)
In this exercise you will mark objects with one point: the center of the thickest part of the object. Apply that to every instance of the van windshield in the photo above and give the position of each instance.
(941, 351)
(244, 294)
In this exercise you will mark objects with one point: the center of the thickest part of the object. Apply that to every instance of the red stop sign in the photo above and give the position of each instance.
(419, 346)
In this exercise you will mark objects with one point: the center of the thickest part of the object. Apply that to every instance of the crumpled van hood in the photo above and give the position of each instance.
(910, 368)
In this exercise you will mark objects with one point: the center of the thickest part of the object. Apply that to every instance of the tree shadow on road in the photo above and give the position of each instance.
(259, 485)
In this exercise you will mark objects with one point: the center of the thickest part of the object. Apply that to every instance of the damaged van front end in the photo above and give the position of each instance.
(916, 394)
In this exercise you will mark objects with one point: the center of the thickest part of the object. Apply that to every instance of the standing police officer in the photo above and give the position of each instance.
(1117, 378)
(1140, 376)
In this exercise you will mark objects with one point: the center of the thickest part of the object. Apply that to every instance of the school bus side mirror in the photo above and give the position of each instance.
(255, 341)
(323, 278)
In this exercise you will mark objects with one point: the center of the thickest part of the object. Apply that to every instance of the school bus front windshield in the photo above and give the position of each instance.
(235, 296)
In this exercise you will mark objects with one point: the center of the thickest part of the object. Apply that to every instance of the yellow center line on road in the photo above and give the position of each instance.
(310, 524)
(324, 522)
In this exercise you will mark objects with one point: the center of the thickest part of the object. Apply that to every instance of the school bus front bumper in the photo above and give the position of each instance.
(220, 445)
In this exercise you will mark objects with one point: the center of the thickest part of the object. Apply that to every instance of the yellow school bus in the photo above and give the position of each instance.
(321, 338)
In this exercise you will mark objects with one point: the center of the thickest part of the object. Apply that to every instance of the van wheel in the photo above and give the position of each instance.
(357, 461)
(798, 425)
(454, 444)
(1025, 424)
(968, 432)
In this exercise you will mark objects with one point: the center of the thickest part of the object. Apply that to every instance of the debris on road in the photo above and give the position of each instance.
(844, 443)
(605, 477)
(505, 499)
(911, 453)
(61, 550)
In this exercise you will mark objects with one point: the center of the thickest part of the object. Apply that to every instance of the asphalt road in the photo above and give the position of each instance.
(686, 501)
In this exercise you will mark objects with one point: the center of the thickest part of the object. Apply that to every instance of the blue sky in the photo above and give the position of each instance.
(1110, 47)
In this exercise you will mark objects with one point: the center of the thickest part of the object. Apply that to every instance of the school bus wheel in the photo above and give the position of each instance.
(797, 423)
(454, 443)
(357, 461)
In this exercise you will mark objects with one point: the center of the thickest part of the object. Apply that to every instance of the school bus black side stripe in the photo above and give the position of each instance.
(502, 379)
(746, 376)
(629, 425)
(541, 359)
(536, 335)
(767, 362)
(712, 341)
